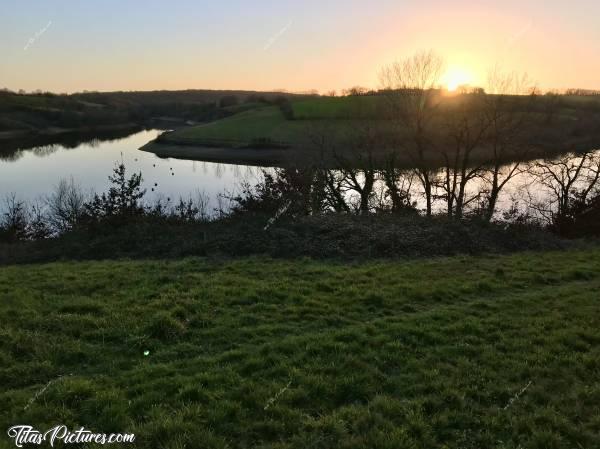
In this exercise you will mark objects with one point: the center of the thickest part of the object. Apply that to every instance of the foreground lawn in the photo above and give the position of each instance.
(495, 352)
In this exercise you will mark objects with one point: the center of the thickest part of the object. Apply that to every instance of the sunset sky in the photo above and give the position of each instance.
(67, 45)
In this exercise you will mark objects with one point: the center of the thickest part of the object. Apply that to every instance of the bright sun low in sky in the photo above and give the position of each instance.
(69, 45)
(456, 77)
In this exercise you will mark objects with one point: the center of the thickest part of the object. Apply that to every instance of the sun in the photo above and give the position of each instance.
(456, 77)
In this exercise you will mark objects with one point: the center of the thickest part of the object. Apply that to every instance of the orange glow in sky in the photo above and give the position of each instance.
(293, 45)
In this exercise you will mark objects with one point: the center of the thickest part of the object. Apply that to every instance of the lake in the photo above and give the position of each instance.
(33, 173)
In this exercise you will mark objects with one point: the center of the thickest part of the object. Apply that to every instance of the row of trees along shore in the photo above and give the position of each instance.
(446, 145)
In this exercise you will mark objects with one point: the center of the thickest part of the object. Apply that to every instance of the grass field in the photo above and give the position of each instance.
(494, 352)
(339, 119)
(268, 123)
(243, 128)
(339, 108)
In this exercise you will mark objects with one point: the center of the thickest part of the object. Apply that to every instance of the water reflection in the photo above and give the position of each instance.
(32, 173)
(12, 150)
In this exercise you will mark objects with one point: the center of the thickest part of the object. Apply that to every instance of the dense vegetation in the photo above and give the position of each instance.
(332, 236)
(47, 113)
(289, 213)
(491, 352)
(296, 212)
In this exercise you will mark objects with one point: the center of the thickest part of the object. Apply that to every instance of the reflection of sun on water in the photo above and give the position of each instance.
(456, 77)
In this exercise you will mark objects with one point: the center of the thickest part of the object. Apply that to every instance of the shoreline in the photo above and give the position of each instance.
(278, 157)
(264, 157)
(24, 140)
(54, 132)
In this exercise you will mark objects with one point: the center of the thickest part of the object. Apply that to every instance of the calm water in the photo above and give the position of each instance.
(34, 173)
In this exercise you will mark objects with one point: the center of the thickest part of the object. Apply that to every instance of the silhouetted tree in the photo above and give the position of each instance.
(464, 132)
(508, 106)
(571, 183)
(65, 206)
(13, 221)
(411, 90)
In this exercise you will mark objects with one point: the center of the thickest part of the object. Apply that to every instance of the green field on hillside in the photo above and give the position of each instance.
(267, 123)
(489, 352)
(264, 125)
(244, 127)
(339, 118)
(340, 107)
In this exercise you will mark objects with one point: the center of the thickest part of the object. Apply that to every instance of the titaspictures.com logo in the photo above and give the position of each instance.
(23, 434)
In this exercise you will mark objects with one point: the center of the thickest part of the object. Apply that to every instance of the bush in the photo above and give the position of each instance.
(65, 206)
(123, 198)
(13, 222)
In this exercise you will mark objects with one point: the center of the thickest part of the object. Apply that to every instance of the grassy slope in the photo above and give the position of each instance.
(243, 128)
(338, 107)
(265, 353)
(337, 116)
(269, 123)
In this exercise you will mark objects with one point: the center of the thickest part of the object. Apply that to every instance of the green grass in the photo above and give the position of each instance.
(268, 123)
(339, 107)
(294, 354)
(244, 128)
(338, 118)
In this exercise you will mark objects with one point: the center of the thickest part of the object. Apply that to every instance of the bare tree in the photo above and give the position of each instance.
(508, 107)
(466, 126)
(357, 163)
(322, 146)
(335, 193)
(14, 218)
(411, 88)
(570, 182)
(38, 227)
(65, 205)
(398, 183)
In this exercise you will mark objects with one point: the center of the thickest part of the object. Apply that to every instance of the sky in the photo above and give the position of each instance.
(74, 45)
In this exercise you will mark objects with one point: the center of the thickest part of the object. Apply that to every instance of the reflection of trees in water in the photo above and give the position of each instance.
(546, 191)
(94, 143)
(551, 191)
(12, 156)
(45, 150)
(218, 170)
(41, 151)
(14, 150)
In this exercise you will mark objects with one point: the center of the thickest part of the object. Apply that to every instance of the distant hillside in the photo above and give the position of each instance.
(51, 113)
(555, 124)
